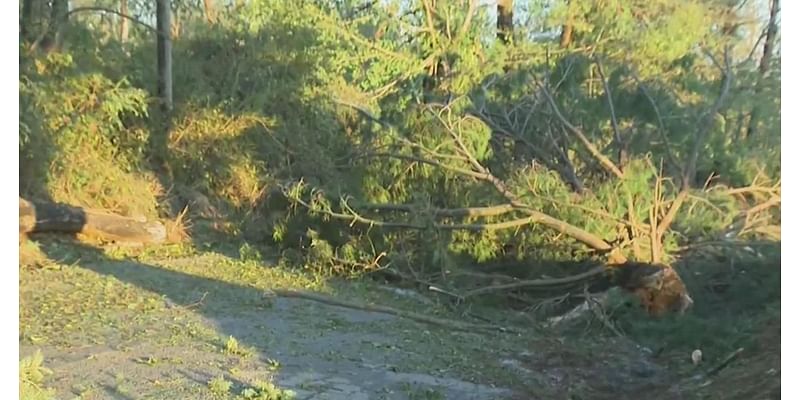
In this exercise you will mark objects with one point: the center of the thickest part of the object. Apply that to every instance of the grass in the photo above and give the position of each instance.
(32, 374)
(162, 296)
(263, 390)
(219, 386)
(232, 347)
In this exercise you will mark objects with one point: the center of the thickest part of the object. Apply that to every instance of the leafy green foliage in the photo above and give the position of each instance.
(74, 142)
(233, 347)
(219, 386)
(373, 120)
(264, 390)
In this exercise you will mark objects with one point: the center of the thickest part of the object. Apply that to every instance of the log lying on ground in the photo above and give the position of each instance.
(38, 217)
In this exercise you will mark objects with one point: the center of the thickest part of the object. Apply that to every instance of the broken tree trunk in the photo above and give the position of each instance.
(38, 217)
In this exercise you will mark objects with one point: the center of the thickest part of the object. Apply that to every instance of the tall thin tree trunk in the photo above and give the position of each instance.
(164, 49)
(566, 32)
(124, 24)
(59, 12)
(763, 67)
(208, 9)
(27, 19)
(505, 20)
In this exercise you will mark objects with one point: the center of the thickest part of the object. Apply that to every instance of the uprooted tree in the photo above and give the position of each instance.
(413, 139)
(595, 187)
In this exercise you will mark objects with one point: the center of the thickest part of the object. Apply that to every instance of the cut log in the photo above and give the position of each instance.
(38, 217)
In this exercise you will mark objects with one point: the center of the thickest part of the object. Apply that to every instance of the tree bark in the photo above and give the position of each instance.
(59, 11)
(566, 32)
(763, 67)
(164, 49)
(124, 24)
(505, 20)
(41, 217)
(26, 20)
(208, 9)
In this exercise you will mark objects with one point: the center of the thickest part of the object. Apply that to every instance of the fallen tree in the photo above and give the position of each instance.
(42, 216)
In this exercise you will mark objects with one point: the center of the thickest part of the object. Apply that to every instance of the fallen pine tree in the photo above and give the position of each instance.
(50, 217)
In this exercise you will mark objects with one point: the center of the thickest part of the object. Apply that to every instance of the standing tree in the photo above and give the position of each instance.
(763, 66)
(164, 49)
(27, 18)
(505, 20)
(124, 24)
(208, 10)
(59, 14)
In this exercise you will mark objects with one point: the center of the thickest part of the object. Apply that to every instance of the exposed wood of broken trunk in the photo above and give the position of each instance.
(38, 217)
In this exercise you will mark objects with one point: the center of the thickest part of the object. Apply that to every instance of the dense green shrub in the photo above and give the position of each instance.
(374, 120)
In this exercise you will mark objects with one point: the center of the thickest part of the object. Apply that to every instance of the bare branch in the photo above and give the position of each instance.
(473, 4)
(614, 123)
(435, 163)
(704, 127)
(662, 130)
(597, 271)
(489, 211)
(536, 216)
(600, 157)
(36, 43)
(706, 122)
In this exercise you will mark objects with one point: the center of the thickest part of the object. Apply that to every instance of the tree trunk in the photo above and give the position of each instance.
(566, 32)
(208, 9)
(61, 218)
(164, 49)
(59, 11)
(124, 24)
(763, 67)
(566, 35)
(505, 20)
(27, 19)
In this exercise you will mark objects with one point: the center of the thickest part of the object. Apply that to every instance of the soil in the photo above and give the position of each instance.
(164, 327)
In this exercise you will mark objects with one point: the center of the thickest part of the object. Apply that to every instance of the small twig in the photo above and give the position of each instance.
(597, 309)
(196, 303)
(724, 363)
(171, 304)
(437, 289)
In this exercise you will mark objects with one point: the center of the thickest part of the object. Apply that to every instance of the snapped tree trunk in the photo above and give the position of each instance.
(42, 217)
(124, 24)
(164, 49)
(505, 20)
(763, 67)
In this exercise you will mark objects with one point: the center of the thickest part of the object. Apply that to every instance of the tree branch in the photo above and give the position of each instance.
(604, 161)
(597, 271)
(488, 211)
(536, 216)
(662, 130)
(614, 123)
(706, 122)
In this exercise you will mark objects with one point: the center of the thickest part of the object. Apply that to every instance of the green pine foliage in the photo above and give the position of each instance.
(342, 107)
